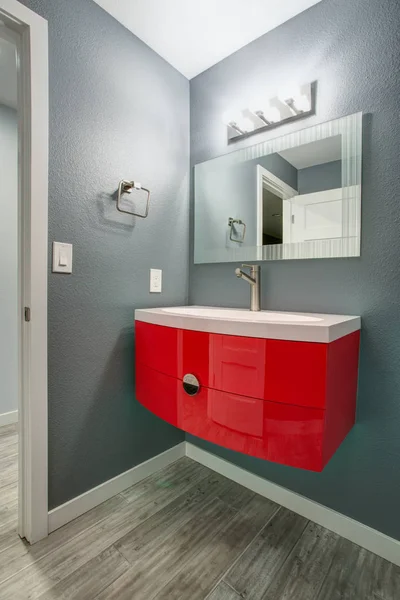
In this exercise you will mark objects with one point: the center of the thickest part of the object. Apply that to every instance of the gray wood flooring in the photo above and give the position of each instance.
(8, 487)
(184, 533)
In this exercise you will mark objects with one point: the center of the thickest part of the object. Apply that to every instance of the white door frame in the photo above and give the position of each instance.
(33, 246)
(266, 179)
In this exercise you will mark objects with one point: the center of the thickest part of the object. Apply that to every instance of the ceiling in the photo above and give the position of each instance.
(314, 153)
(194, 35)
(8, 74)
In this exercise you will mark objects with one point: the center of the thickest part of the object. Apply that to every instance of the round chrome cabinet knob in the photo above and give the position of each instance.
(191, 384)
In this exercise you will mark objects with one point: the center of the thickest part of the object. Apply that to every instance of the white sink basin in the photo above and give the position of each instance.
(241, 315)
(302, 327)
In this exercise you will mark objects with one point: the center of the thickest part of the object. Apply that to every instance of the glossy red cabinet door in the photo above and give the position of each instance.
(174, 352)
(238, 413)
(341, 398)
(157, 347)
(290, 435)
(238, 364)
(288, 402)
(158, 392)
(194, 349)
(295, 373)
(275, 370)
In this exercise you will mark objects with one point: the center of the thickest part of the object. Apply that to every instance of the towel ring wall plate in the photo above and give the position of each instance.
(126, 187)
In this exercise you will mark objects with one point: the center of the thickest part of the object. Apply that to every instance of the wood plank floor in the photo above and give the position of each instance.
(184, 533)
(8, 487)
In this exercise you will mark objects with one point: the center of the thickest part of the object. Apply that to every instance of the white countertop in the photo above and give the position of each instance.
(302, 327)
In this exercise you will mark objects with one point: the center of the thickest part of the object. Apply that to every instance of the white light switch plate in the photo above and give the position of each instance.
(62, 258)
(156, 281)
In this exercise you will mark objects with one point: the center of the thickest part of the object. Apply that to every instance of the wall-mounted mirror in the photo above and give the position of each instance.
(296, 196)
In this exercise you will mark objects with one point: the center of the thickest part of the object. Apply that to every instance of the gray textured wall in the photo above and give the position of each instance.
(327, 176)
(352, 49)
(117, 110)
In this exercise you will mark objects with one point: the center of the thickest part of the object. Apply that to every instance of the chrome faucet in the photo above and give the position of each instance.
(254, 280)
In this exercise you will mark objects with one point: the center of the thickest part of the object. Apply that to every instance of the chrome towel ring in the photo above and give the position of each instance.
(126, 187)
(232, 224)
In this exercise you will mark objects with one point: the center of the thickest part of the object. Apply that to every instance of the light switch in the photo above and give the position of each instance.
(63, 261)
(155, 281)
(62, 258)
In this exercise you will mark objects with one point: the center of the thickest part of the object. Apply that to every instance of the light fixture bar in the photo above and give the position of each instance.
(263, 118)
(295, 103)
(290, 103)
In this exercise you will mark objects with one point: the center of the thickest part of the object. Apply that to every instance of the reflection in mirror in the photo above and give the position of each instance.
(272, 221)
(311, 209)
(298, 196)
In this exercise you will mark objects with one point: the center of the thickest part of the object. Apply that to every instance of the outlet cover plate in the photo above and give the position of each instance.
(155, 281)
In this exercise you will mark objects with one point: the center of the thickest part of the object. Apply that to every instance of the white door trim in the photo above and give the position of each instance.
(267, 179)
(33, 218)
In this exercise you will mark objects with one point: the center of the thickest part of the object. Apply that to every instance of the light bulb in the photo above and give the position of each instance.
(295, 100)
(236, 118)
(302, 103)
(257, 105)
(230, 116)
(272, 114)
(246, 124)
(289, 91)
(265, 111)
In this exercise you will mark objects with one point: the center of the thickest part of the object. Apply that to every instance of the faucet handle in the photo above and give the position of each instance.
(255, 267)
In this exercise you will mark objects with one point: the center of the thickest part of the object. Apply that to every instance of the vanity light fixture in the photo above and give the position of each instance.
(299, 104)
(268, 114)
(237, 121)
(264, 114)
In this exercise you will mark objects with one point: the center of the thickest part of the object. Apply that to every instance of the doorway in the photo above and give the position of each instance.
(23, 273)
(274, 200)
(272, 218)
(9, 287)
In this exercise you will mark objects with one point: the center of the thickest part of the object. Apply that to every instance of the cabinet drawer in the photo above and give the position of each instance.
(174, 352)
(238, 365)
(157, 347)
(296, 372)
(275, 370)
(158, 393)
(291, 435)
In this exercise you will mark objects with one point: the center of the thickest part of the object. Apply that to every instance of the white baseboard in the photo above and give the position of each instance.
(356, 532)
(78, 506)
(9, 418)
(352, 530)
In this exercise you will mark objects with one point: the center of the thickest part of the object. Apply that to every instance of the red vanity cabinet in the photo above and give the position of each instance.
(285, 401)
